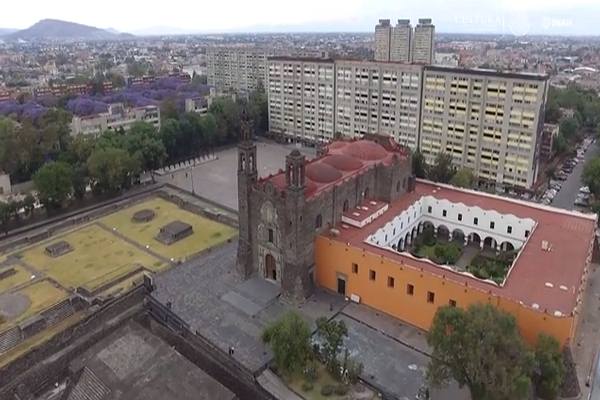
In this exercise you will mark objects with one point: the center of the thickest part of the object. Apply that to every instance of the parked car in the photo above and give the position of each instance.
(584, 189)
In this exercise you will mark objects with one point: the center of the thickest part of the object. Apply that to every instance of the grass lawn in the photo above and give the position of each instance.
(42, 296)
(21, 276)
(324, 378)
(98, 257)
(207, 233)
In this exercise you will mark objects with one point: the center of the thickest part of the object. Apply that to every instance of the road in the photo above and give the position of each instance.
(565, 198)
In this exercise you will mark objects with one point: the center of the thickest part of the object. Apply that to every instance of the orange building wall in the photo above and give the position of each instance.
(333, 258)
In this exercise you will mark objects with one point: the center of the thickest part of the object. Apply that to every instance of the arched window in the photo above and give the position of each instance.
(346, 206)
(319, 222)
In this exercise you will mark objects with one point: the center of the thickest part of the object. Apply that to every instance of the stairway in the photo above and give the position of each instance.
(89, 387)
(58, 313)
(9, 339)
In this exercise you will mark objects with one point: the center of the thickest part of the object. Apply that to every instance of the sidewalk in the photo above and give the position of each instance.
(388, 326)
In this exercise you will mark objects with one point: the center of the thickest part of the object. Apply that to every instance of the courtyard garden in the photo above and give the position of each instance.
(491, 266)
(438, 251)
(483, 263)
(319, 367)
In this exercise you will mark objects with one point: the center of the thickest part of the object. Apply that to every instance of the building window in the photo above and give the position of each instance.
(319, 222)
(346, 206)
(391, 281)
(372, 275)
(527, 233)
(366, 193)
(429, 209)
(271, 236)
(430, 297)
(354, 268)
(492, 224)
(509, 229)
(444, 213)
(452, 303)
(410, 289)
(460, 217)
(398, 186)
(475, 221)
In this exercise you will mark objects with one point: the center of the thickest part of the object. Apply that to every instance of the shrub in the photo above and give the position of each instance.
(341, 390)
(355, 368)
(310, 372)
(307, 387)
(327, 390)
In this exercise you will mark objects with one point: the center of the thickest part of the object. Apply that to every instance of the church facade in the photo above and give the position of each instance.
(281, 215)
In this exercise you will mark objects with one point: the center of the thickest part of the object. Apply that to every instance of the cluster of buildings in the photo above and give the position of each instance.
(488, 121)
(116, 118)
(346, 219)
(403, 43)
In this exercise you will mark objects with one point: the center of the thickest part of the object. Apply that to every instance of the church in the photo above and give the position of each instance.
(351, 220)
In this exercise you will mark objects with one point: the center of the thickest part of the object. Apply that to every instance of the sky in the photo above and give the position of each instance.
(552, 17)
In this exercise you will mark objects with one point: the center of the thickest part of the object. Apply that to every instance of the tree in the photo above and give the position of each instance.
(289, 337)
(332, 333)
(442, 169)
(54, 183)
(112, 169)
(550, 369)
(168, 109)
(463, 178)
(258, 110)
(591, 175)
(28, 204)
(144, 142)
(479, 348)
(569, 127)
(419, 165)
(559, 145)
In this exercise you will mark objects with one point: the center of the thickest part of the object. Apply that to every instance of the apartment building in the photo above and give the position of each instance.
(490, 122)
(401, 37)
(238, 69)
(383, 32)
(402, 43)
(116, 118)
(423, 42)
(378, 98)
(301, 97)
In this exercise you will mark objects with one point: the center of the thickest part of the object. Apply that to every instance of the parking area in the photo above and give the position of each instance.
(567, 191)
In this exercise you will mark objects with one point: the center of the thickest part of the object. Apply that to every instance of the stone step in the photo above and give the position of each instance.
(9, 339)
(89, 387)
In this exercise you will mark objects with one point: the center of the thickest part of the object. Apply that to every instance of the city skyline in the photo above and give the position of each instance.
(465, 16)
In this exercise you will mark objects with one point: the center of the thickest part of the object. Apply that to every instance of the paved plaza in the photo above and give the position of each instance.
(229, 312)
(217, 180)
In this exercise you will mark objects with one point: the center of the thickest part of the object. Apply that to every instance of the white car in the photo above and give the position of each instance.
(584, 189)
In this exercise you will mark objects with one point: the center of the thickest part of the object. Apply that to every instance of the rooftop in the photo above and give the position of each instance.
(343, 160)
(568, 235)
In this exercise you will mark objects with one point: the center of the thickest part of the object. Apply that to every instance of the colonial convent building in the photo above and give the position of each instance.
(345, 221)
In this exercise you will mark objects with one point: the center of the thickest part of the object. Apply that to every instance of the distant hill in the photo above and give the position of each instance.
(53, 29)
(6, 31)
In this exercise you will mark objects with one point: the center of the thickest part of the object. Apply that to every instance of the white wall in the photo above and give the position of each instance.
(429, 208)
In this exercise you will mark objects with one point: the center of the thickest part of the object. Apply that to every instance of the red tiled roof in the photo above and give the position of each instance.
(343, 160)
(570, 234)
